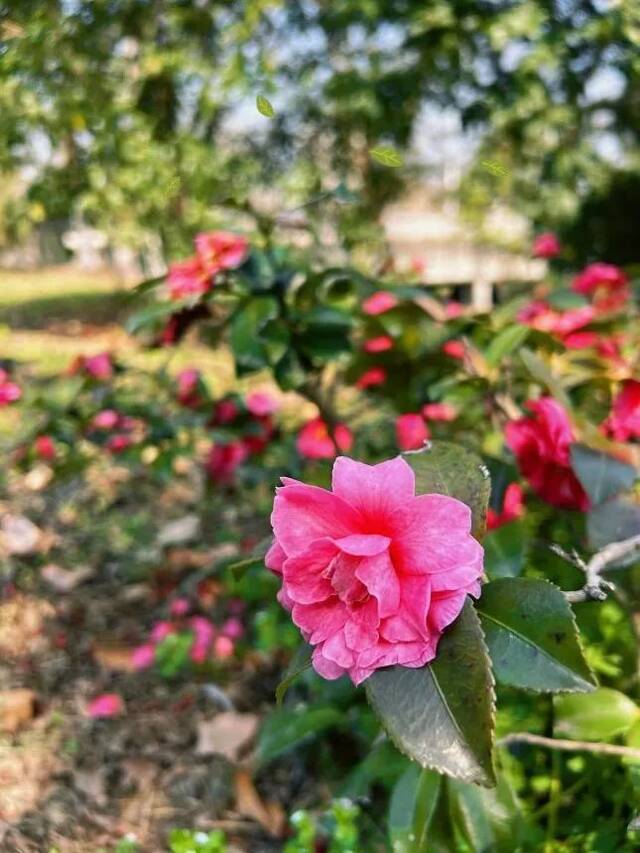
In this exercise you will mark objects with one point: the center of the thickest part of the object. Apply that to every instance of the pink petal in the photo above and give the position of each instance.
(320, 621)
(302, 514)
(107, 705)
(325, 667)
(379, 576)
(445, 608)
(335, 649)
(275, 558)
(376, 490)
(363, 545)
(303, 574)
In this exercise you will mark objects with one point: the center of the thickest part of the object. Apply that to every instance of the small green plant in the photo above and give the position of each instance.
(196, 841)
(339, 825)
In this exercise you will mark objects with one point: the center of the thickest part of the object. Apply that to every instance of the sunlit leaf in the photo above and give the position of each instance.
(386, 156)
(602, 715)
(265, 107)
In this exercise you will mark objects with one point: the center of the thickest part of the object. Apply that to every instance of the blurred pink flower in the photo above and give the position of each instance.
(232, 628)
(44, 447)
(262, 403)
(372, 377)
(144, 656)
(439, 412)
(411, 431)
(314, 440)
(512, 507)
(187, 278)
(454, 349)
(379, 344)
(9, 391)
(99, 366)
(107, 705)
(106, 419)
(161, 630)
(220, 250)
(224, 459)
(188, 381)
(223, 647)
(623, 423)
(179, 606)
(379, 303)
(546, 245)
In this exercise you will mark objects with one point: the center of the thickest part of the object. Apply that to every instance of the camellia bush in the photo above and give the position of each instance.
(454, 543)
(432, 576)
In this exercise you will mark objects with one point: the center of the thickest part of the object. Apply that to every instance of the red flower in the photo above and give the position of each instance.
(624, 421)
(454, 349)
(411, 431)
(372, 377)
(439, 412)
(45, 448)
(257, 441)
(119, 443)
(453, 309)
(541, 446)
(314, 440)
(220, 250)
(9, 391)
(224, 412)
(188, 381)
(380, 344)
(546, 245)
(599, 275)
(98, 366)
(224, 459)
(512, 507)
(188, 278)
(379, 303)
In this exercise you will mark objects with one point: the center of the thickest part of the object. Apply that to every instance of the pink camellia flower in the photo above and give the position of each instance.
(453, 309)
(624, 421)
(512, 507)
(188, 381)
(107, 705)
(45, 448)
(314, 441)
(371, 378)
(179, 606)
(144, 656)
(546, 245)
(221, 250)
(119, 443)
(379, 344)
(439, 412)
(454, 349)
(106, 419)
(372, 573)
(223, 647)
(224, 459)
(256, 442)
(187, 278)
(581, 340)
(540, 315)
(161, 631)
(232, 628)
(606, 276)
(261, 403)
(9, 391)
(541, 446)
(411, 431)
(379, 303)
(99, 366)
(204, 634)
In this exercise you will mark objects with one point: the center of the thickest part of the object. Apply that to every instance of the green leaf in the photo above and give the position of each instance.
(284, 730)
(602, 716)
(246, 328)
(613, 521)
(265, 107)
(601, 475)
(505, 343)
(494, 167)
(149, 315)
(539, 370)
(413, 802)
(300, 662)
(532, 637)
(386, 156)
(445, 468)
(442, 715)
(504, 551)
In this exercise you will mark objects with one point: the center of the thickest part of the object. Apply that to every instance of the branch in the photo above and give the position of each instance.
(596, 588)
(570, 745)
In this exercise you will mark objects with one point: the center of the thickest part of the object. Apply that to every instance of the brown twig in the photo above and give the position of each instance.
(570, 745)
(596, 588)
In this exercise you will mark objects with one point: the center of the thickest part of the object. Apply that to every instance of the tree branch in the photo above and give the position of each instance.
(596, 588)
(570, 745)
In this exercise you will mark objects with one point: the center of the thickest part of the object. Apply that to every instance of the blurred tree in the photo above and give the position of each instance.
(141, 113)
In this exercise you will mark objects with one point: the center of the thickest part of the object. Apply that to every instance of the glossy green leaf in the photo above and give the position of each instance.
(505, 343)
(246, 327)
(539, 370)
(442, 715)
(602, 715)
(614, 520)
(448, 469)
(504, 551)
(300, 662)
(265, 107)
(284, 730)
(386, 156)
(601, 474)
(532, 637)
(413, 802)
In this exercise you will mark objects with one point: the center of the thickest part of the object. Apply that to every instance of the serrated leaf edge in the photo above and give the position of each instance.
(589, 687)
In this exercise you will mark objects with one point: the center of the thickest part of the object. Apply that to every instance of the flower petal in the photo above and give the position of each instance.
(379, 576)
(376, 490)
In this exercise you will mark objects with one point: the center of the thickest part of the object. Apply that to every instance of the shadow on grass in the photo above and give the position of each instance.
(90, 307)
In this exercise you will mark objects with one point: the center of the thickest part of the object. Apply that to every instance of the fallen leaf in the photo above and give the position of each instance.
(63, 580)
(19, 535)
(270, 815)
(16, 707)
(116, 657)
(180, 531)
(226, 734)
